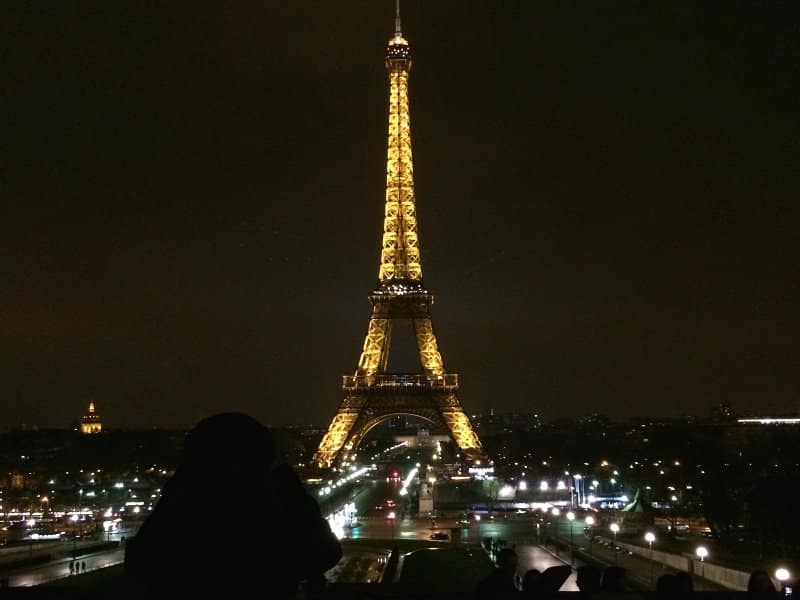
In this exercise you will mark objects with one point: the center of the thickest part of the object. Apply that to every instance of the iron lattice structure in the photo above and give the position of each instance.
(373, 395)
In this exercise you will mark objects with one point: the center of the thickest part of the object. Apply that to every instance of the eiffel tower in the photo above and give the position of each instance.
(372, 394)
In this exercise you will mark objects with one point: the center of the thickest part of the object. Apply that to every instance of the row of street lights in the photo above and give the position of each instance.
(649, 537)
(781, 574)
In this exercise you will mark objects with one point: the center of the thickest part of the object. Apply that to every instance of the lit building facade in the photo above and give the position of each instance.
(90, 422)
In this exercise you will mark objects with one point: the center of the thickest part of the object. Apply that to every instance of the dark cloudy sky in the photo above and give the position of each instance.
(192, 197)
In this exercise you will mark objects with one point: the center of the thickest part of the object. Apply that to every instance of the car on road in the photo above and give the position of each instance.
(439, 535)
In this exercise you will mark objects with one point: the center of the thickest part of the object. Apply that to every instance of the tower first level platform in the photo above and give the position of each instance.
(371, 399)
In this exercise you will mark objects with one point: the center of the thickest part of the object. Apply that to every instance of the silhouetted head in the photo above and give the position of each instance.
(553, 578)
(666, 585)
(683, 582)
(760, 583)
(232, 441)
(507, 561)
(530, 581)
(614, 580)
(588, 578)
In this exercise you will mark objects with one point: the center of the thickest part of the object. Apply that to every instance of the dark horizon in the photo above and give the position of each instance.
(607, 200)
(580, 420)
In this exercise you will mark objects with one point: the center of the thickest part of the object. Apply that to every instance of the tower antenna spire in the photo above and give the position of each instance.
(397, 29)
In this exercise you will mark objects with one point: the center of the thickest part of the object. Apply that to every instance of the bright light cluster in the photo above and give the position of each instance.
(342, 518)
(411, 474)
(340, 482)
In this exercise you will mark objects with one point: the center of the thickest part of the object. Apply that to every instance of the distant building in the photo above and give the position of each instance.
(496, 423)
(770, 421)
(398, 422)
(722, 412)
(90, 422)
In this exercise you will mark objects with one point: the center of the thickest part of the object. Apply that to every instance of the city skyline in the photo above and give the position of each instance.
(195, 206)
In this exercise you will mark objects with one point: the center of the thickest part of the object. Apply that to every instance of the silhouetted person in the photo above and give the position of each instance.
(83, 566)
(286, 540)
(553, 578)
(614, 580)
(588, 579)
(760, 585)
(72, 567)
(530, 582)
(684, 583)
(500, 582)
(666, 586)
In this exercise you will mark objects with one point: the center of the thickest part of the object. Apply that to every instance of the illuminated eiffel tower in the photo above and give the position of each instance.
(372, 395)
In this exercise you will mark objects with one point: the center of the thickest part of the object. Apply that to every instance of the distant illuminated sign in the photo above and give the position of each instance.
(481, 470)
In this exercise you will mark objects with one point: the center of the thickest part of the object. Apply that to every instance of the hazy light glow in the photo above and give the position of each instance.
(506, 491)
(770, 421)
(782, 574)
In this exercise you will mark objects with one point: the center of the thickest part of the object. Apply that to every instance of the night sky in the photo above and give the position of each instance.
(192, 201)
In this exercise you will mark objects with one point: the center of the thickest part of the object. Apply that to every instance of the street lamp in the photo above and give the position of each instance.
(589, 523)
(650, 537)
(391, 516)
(782, 575)
(701, 552)
(615, 530)
(571, 518)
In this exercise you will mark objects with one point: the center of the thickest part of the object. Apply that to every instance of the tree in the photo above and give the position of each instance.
(491, 487)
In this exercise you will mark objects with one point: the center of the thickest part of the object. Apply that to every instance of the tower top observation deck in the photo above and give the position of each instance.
(398, 48)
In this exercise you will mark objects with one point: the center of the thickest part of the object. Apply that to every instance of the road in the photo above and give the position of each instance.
(376, 525)
(59, 569)
(521, 530)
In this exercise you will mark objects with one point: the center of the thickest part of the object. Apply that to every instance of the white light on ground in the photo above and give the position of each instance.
(649, 537)
(701, 552)
(543, 486)
(615, 527)
(523, 486)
